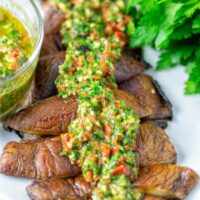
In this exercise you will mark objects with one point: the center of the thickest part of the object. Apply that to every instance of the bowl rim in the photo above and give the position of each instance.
(36, 49)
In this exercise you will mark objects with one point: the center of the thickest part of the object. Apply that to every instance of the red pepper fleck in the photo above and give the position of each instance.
(92, 118)
(106, 151)
(93, 35)
(83, 125)
(109, 28)
(67, 137)
(120, 35)
(89, 177)
(96, 76)
(27, 38)
(115, 150)
(15, 53)
(108, 130)
(108, 182)
(105, 68)
(107, 55)
(121, 161)
(101, 96)
(75, 62)
(90, 59)
(119, 170)
(77, 163)
(14, 66)
(87, 135)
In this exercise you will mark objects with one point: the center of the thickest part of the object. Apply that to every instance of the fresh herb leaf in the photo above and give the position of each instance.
(173, 27)
(193, 83)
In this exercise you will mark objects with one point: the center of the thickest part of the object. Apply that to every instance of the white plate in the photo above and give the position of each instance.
(184, 131)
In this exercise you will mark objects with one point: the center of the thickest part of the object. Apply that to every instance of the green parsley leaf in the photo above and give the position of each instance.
(173, 27)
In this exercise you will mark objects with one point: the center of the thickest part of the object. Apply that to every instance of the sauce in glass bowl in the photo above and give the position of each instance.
(15, 43)
(21, 36)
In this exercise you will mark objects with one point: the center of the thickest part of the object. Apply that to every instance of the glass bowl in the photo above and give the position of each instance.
(13, 88)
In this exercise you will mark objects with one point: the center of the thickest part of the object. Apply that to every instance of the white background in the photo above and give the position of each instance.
(184, 130)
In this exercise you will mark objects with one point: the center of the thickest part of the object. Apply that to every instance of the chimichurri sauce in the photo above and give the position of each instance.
(101, 140)
(15, 43)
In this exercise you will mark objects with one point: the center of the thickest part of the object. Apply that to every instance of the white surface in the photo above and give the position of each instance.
(184, 131)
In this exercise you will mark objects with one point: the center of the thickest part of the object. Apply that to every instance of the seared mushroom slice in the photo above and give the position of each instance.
(54, 18)
(36, 159)
(169, 181)
(128, 65)
(41, 158)
(52, 116)
(162, 181)
(149, 92)
(63, 189)
(154, 146)
(46, 74)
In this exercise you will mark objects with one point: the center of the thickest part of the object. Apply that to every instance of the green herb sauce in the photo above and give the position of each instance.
(15, 48)
(101, 139)
(15, 43)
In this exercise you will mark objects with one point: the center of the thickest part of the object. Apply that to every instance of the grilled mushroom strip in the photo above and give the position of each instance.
(168, 181)
(149, 92)
(63, 189)
(36, 159)
(52, 23)
(153, 145)
(46, 74)
(129, 65)
(162, 181)
(52, 116)
(66, 189)
(41, 158)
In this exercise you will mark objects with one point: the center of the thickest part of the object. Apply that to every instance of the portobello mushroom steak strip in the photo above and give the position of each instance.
(161, 181)
(149, 92)
(41, 158)
(52, 116)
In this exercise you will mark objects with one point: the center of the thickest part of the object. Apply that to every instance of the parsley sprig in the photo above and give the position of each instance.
(173, 27)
